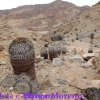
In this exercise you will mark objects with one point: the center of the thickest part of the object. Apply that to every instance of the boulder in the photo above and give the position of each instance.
(88, 56)
(86, 65)
(57, 61)
(76, 58)
(2, 63)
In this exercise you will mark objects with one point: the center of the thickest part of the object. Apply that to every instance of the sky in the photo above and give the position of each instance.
(8, 4)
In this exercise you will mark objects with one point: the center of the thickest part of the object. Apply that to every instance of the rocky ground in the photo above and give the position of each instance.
(67, 74)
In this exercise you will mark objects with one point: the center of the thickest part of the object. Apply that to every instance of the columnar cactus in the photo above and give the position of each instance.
(53, 52)
(22, 56)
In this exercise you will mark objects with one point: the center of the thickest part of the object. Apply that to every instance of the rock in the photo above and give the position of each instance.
(1, 48)
(96, 63)
(87, 64)
(11, 88)
(88, 56)
(2, 63)
(76, 58)
(57, 61)
(84, 83)
(38, 59)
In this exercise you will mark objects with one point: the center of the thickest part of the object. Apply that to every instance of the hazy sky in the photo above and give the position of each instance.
(8, 4)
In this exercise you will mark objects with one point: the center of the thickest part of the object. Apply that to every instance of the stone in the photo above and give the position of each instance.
(57, 61)
(84, 83)
(88, 56)
(1, 48)
(2, 63)
(88, 63)
(38, 59)
(76, 58)
(11, 88)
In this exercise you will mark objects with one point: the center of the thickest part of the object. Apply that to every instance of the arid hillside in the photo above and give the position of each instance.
(60, 40)
(85, 24)
(42, 16)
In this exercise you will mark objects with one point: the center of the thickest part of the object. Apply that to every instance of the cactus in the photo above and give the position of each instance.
(53, 52)
(56, 37)
(90, 50)
(22, 56)
(22, 87)
(44, 52)
(77, 37)
(92, 36)
(58, 49)
(63, 50)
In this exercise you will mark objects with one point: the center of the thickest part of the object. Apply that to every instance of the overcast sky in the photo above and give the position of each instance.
(8, 4)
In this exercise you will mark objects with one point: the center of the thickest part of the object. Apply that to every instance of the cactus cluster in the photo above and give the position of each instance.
(22, 56)
(52, 51)
(56, 37)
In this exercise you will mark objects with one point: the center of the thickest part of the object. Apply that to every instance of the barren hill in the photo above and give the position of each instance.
(86, 23)
(41, 16)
